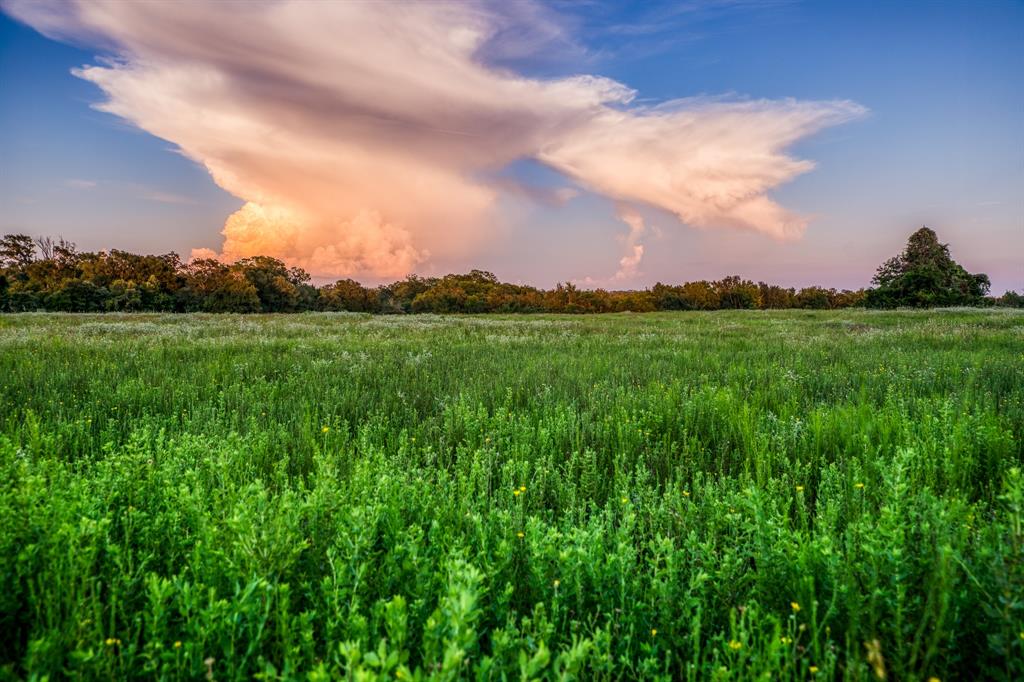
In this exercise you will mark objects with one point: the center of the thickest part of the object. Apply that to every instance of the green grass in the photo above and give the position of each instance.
(326, 496)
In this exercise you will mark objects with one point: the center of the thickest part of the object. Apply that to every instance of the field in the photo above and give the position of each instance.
(791, 495)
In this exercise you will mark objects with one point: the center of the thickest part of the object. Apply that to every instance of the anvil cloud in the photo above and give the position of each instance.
(365, 137)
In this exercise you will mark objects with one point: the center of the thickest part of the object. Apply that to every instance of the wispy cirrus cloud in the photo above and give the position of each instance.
(162, 197)
(78, 183)
(364, 136)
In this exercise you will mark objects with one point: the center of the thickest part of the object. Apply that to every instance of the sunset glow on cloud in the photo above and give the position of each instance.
(364, 137)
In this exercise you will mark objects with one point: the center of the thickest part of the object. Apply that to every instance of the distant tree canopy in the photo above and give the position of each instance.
(43, 274)
(925, 275)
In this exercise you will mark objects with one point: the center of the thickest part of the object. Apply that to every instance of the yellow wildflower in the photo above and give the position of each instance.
(795, 606)
(177, 644)
(934, 679)
(522, 488)
(813, 669)
(516, 493)
(734, 645)
(859, 486)
(557, 582)
(654, 631)
(625, 500)
(325, 429)
(520, 534)
(799, 488)
(875, 658)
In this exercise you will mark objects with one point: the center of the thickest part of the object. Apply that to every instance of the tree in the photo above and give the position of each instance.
(734, 292)
(276, 284)
(78, 296)
(925, 275)
(17, 251)
(700, 295)
(346, 294)
(397, 297)
(773, 296)
(1011, 299)
(213, 287)
(815, 298)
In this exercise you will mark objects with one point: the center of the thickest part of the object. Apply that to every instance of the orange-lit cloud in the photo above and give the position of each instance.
(364, 135)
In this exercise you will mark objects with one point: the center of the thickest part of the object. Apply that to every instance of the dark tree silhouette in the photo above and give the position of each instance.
(925, 275)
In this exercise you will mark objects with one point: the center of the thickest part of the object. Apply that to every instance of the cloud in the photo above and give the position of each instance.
(76, 183)
(629, 263)
(365, 136)
(167, 197)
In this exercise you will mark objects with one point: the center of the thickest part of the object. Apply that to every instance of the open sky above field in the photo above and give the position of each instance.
(612, 144)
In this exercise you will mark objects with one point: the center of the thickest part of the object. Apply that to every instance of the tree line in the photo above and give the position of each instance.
(47, 274)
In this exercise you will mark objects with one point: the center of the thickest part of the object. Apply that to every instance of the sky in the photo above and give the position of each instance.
(609, 144)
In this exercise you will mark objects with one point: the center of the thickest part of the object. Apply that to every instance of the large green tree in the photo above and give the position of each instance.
(925, 275)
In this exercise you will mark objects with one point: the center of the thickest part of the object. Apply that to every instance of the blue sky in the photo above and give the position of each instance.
(942, 144)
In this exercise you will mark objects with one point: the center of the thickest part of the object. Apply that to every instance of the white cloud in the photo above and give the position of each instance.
(362, 134)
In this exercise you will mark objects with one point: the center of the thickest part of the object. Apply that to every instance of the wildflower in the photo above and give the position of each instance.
(795, 606)
(325, 429)
(516, 492)
(522, 488)
(654, 631)
(520, 534)
(786, 640)
(934, 679)
(177, 644)
(875, 659)
(625, 500)
(557, 582)
(859, 486)
(813, 669)
(734, 645)
(112, 641)
(686, 493)
(799, 488)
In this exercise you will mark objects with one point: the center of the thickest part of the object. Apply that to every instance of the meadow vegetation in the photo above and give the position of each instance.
(735, 495)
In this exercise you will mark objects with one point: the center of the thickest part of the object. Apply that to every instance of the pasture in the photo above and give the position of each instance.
(734, 495)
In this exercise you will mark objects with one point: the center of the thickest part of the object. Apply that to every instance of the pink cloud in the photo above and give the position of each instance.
(362, 134)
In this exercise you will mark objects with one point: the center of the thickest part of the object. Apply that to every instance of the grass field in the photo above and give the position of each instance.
(791, 495)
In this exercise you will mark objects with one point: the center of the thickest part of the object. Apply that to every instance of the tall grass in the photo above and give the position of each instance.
(791, 495)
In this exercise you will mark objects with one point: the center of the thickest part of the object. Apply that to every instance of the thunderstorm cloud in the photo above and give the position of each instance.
(366, 137)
